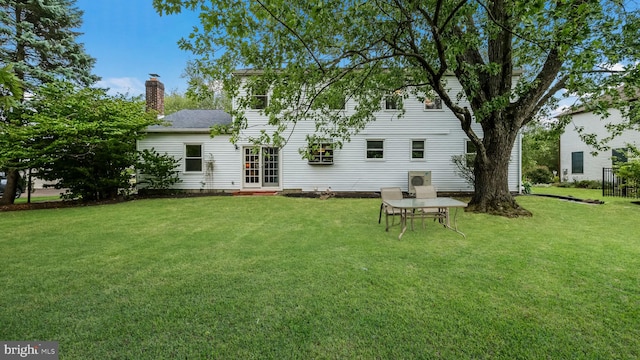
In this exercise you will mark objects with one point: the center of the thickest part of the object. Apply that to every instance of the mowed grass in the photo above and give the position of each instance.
(294, 278)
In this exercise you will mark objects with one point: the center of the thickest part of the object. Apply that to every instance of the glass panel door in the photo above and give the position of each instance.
(270, 167)
(251, 167)
(261, 167)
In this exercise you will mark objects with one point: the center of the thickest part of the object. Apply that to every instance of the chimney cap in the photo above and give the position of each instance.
(154, 75)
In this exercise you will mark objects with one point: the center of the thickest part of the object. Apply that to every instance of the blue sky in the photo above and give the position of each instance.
(129, 40)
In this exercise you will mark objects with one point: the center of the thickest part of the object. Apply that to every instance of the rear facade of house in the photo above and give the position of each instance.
(394, 150)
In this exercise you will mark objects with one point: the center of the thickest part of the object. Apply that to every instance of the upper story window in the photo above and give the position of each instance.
(469, 148)
(432, 103)
(193, 158)
(417, 149)
(375, 149)
(393, 101)
(390, 103)
(322, 154)
(259, 101)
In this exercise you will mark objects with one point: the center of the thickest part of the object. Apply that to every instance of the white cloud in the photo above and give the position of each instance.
(613, 67)
(125, 85)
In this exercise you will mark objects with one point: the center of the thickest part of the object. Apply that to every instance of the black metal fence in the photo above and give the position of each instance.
(613, 185)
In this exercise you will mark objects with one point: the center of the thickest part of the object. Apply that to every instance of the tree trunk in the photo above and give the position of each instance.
(491, 170)
(9, 196)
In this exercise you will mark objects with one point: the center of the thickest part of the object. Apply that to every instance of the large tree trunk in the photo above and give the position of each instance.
(491, 170)
(9, 196)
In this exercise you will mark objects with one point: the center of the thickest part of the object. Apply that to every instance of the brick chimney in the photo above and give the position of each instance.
(155, 94)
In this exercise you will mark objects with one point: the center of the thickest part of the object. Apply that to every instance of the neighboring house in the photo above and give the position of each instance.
(576, 161)
(388, 152)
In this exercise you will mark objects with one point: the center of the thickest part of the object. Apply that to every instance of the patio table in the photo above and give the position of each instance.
(411, 204)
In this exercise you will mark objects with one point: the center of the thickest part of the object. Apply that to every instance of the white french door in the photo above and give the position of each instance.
(261, 167)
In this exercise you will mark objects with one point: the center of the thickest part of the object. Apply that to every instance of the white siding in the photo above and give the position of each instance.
(570, 142)
(351, 170)
(226, 159)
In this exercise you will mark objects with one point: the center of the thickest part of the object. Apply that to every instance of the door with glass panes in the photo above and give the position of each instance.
(261, 167)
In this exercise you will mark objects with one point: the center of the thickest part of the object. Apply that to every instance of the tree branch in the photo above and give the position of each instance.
(292, 31)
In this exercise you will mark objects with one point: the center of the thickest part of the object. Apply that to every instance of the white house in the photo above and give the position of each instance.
(390, 151)
(576, 159)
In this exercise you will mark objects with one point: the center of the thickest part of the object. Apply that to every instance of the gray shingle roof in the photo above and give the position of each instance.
(192, 121)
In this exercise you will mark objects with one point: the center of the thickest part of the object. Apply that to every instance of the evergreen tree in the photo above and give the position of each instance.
(39, 39)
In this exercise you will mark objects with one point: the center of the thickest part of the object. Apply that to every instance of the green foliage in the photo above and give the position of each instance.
(581, 184)
(157, 171)
(174, 102)
(526, 186)
(309, 54)
(204, 88)
(221, 129)
(539, 175)
(10, 89)
(540, 147)
(464, 167)
(631, 168)
(82, 138)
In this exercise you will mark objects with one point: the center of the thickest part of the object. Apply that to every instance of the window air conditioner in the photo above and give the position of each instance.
(418, 178)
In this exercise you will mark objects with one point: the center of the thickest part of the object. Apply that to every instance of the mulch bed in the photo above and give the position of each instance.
(57, 204)
(571, 198)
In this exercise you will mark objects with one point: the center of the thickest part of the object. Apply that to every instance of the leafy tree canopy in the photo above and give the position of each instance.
(311, 52)
(10, 89)
(80, 137)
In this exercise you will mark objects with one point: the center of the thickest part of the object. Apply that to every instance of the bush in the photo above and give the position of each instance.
(581, 184)
(540, 175)
(157, 171)
(588, 184)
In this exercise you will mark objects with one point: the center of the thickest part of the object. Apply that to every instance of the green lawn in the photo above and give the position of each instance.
(284, 278)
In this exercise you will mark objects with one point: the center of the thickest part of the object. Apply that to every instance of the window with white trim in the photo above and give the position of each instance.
(432, 103)
(375, 149)
(193, 158)
(321, 154)
(392, 102)
(259, 102)
(418, 149)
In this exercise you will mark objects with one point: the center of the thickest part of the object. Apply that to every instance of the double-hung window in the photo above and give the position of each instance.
(259, 101)
(417, 149)
(375, 149)
(193, 158)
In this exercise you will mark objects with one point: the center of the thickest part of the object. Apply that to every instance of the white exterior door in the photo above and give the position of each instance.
(261, 168)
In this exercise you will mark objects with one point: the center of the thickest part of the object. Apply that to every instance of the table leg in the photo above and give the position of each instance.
(455, 223)
(403, 222)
